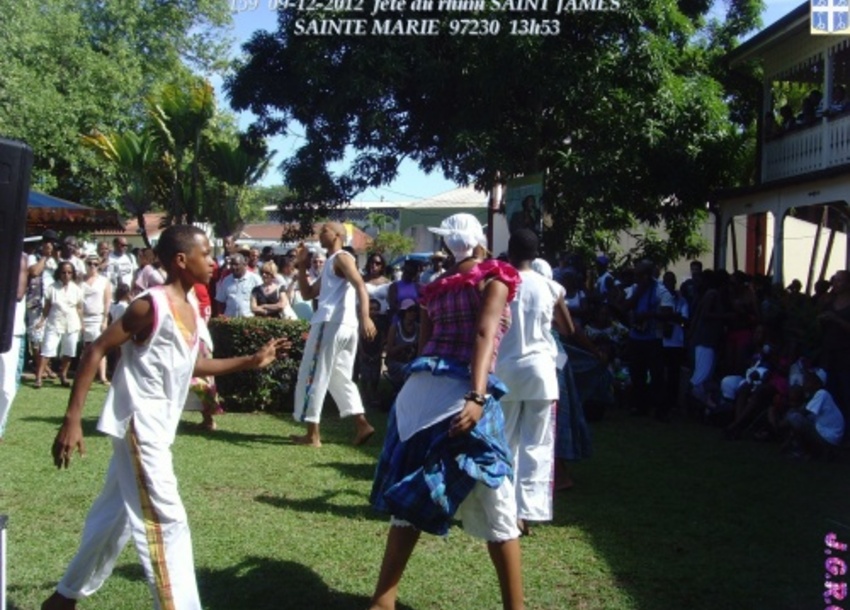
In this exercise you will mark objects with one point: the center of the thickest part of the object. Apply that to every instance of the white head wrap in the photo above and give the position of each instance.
(461, 233)
(542, 267)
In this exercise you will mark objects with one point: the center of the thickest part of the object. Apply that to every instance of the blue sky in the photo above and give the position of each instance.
(412, 183)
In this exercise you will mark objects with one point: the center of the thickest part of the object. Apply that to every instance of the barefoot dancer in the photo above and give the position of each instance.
(158, 336)
(445, 451)
(328, 360)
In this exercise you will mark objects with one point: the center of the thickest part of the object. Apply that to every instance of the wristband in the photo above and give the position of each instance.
(476, 397)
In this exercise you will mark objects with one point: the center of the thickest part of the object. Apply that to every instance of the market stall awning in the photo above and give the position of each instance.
(49, 212)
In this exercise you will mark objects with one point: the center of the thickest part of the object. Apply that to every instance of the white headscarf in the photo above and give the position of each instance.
(542, 267)
(461, 233)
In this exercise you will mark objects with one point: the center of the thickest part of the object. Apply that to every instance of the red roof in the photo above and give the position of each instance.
(261, 231)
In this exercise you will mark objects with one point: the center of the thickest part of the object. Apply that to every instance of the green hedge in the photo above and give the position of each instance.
(269, 389)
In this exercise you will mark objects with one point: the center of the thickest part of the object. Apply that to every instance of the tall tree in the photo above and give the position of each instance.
(73, 66)
(139, 168)
(624, 109)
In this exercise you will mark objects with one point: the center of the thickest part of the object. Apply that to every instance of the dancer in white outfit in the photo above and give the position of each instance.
(158, 336)
(527, 365)
(328, 361)
(11, 361)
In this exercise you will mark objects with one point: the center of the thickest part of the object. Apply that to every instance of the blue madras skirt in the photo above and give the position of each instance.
(424, 480)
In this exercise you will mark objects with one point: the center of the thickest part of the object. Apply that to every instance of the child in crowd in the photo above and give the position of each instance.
(122, 302)
(402, 342)
(819, 426)
(159, 338)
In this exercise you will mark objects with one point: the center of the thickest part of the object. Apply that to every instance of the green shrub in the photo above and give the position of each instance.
(269, 389)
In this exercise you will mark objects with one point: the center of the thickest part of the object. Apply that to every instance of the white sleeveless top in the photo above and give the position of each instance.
(152, 378)
(93, 310)
(337, 297)
(527, 354)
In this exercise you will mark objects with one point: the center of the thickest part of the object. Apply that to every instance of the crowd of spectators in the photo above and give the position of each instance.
(763, 361)
(754, 354)
(722, 345)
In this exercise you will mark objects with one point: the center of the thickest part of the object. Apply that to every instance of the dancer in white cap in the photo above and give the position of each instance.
(445, 453)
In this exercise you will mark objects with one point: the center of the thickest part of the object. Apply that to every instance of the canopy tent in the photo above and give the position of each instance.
(49, 212)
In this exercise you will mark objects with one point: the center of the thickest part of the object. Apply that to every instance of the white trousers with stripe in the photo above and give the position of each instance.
(530, 430)
(9, 378)
(327, 366)
(139, 500)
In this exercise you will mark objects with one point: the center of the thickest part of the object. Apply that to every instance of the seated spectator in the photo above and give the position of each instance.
(787, 121)
(606, 333)
(834, 323)
(819, 426)
(811, 109)
(839, 100)
(755, 389)
(771, 127)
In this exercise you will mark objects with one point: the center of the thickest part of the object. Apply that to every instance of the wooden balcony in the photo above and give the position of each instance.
(822, 145)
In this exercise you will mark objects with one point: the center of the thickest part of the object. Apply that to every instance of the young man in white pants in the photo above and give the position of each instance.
(159, 340)
(527, 365)
(11, 360)
(328, 360)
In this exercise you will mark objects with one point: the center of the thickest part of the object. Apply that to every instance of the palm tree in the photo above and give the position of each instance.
(180, 114)
(138, 163)
(233, 168)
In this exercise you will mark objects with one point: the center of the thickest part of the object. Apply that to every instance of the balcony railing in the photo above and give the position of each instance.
(807, 149)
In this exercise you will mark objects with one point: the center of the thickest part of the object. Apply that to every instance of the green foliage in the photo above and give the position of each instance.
(74, 66)
(661, 517)
(269, 389)
(626, 110)
(392, 244)
(183, 161)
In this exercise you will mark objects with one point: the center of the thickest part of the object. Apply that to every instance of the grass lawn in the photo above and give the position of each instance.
(665, 516)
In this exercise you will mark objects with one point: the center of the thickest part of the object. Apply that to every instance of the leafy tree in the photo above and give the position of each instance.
(139, 168)
(392, 244)
(630, 112)
(182, 161)
(180, 113)
(73, 66)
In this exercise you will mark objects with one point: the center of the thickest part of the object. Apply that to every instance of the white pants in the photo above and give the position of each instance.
(59, 344)
(530, 430)
(703, 366)
(327, 366)
(139, 499)
(488, 514)
(9, 376)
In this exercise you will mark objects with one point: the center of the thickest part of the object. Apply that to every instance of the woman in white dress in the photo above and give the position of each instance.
(97, 298)
(62, 321)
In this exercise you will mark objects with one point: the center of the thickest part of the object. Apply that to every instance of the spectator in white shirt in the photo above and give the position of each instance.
(819, 426)
(120, 265)
(234, 292)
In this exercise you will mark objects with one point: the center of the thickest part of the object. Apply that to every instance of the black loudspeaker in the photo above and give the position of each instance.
(15, 167)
